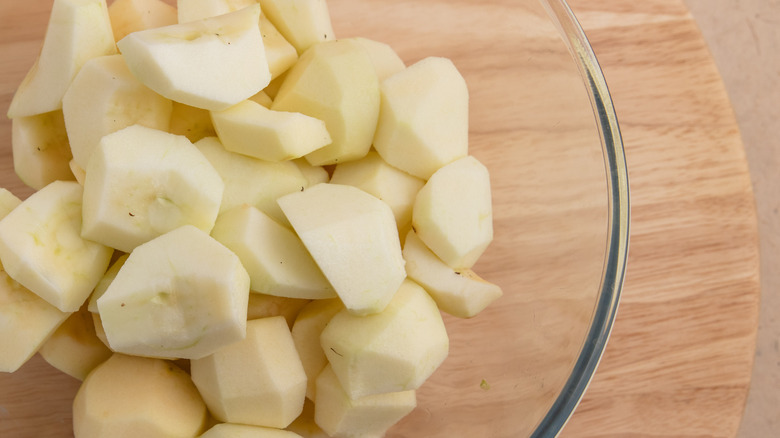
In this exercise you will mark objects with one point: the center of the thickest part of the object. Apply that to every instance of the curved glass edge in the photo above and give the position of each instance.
(617, 243)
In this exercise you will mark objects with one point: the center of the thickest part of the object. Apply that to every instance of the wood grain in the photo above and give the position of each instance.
(678, 362)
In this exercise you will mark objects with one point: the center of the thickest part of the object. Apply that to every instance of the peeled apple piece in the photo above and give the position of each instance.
(460, 293)
(133, 397)
(229, 430)
(77, 31)
(303, 23)
(251, 181)
(251, 129)
(276, 260)
(423, 121)
(306, 331)
(335, 82)
(142, 183)
(453, 213)
(212, 63)
(194, 10)
(74, 347)
(353, 238)
(26, 321)
(181, 295)
(371, 416)
(41, 150)
(258, 381)
(395, 350)
(386, 61)
(104, 98)
(128, 16)
(42, 248)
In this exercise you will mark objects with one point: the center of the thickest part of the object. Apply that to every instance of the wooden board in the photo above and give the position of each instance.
(679, 360)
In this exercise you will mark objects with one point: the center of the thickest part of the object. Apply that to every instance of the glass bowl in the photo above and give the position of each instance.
(542, 121)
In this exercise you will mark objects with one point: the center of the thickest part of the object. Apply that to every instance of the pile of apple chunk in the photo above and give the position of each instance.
(214, 247)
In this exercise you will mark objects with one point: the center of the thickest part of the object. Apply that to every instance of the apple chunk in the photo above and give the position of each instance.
(41, 150)
(251, 129)
(212, 63)
(453, 212)
(395, 350)
(42, 248)
(303, 23)
(128, 16)
(460, 293)
(335, 82)
(104, 98)
(78, 30)
(276, 260)
(181, 295)
(142, 183)
(129, 396)
(353, 238)
(258, 381)
(423, 122)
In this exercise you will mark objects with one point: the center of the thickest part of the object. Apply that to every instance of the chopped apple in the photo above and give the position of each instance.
(26, 321)
(306, 332)
(193, 123)
(386, 61)
(335, 82)
(258, 381)
(369, 416)
(230, 430)
(280, 53)
(353, 238)
(104, 98)
(423, 122)
(453, 212)
(78, 30)
(41, 150)
(263, 306)
(395, 350)
(460, 293)
(194, 10)
(276, 260)
(212, 63)
(42, 248)
(303, 23)
(251, 181)
(128, 16)
(181, 295)
(129, 397)
(373, 175)
(74, 347)
(142, 183)
(251, 129)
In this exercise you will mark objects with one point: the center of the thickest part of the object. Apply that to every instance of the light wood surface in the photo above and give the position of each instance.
(679, 360)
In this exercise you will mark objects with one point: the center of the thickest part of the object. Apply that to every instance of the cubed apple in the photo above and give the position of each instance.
(212, 63)
(104, 98)
(353, 238)
(335, 82)
(26, 321)
(306, 331)
(251, 181)
(258, 381)
(142, 182)
(40, 148)
(251, 129)
(180, 295)
(74, 347)
(303, 23)
(128, 16)
(133, 397)
(460, 293)
(77, 31)
(423, 121)
(453, 212)
(42, 248)
(393, 186)
(370, 416)
(395, 350)
(276, 260)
